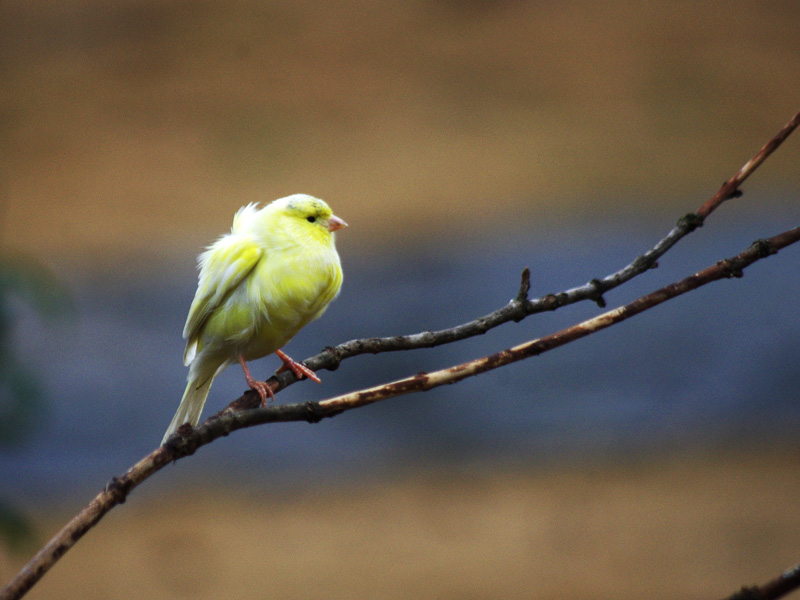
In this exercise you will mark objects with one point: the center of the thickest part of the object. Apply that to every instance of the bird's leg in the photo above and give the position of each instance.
(262, 388)
(299, 369)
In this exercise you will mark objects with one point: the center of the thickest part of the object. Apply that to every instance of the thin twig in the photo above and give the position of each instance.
(520, 308)
(188, 440)
(731, 187)
(787, 582)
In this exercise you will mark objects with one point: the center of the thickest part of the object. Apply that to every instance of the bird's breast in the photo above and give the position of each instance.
(285, 293)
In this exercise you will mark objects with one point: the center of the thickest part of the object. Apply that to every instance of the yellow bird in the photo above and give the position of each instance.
(276, 271)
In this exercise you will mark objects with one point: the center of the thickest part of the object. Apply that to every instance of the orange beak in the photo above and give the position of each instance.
(335, 223)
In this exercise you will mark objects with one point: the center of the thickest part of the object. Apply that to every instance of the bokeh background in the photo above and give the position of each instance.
(462, 141)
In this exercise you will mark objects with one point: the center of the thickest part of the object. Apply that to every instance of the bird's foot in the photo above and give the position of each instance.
(262, 388)
(299, 369)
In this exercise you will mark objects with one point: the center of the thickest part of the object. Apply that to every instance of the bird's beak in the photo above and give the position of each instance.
(335, 223)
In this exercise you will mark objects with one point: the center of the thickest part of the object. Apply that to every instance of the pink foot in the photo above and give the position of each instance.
(299, 369)
(262, 388)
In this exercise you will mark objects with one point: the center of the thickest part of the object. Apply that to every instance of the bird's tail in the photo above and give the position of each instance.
(194, 398)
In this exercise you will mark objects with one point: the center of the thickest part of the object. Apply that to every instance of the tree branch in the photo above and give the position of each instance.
(240, 413)
(731, 187)
(787, 582)
(231, 419)
(520, 307)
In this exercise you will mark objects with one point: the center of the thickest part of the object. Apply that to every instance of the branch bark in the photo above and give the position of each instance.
(241, 412)
(785, 583)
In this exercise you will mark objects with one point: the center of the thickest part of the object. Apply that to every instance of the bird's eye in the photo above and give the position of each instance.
(311, 219)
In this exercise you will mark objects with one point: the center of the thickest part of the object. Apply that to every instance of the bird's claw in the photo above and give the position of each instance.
(263, 389)
(299, 369)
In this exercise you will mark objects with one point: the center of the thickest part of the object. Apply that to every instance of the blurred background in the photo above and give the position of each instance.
(462, 141)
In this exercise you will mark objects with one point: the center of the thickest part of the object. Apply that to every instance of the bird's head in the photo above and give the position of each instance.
(305, 216)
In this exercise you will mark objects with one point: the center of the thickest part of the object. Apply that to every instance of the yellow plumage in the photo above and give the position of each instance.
(276, 271)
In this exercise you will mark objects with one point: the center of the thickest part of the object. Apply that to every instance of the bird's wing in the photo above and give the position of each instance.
(222, 267)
